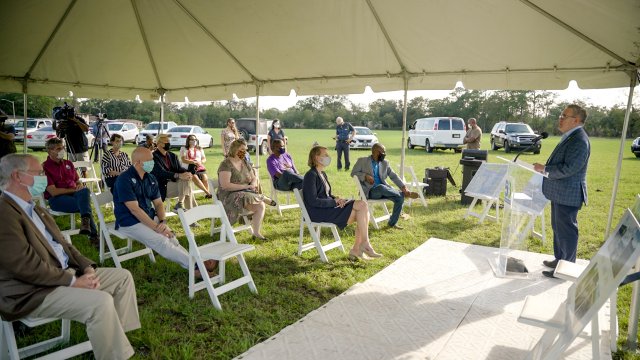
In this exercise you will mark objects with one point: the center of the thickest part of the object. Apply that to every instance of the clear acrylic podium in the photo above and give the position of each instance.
(523, 203)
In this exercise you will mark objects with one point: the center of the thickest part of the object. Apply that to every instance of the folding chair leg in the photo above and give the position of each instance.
(315, 234)
(300, 239)
(422, 199)
(247, 274)
(595, 337)
(373, 218)
(9, 338)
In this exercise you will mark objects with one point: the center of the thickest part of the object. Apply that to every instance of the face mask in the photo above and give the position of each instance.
(39, 185)
(167, 146)
(242, 154)
(381, 157)
(276, 125)
(192, 143)
(325, 160)
(61, 154)
(147, 166)
(283, 150)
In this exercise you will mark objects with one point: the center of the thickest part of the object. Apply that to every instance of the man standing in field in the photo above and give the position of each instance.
(344, 134)
(566, 185)
(474, 135)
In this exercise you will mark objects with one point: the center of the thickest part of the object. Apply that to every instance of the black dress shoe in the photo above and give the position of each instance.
(551, 264)
(549, 274)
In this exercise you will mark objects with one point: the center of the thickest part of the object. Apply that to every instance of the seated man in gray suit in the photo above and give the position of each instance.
(372, 171)
(43, 276)
(566, 185)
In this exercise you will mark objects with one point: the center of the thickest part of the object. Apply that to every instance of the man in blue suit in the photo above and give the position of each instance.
(566, 185)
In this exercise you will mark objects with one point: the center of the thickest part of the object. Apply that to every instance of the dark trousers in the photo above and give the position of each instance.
(564, 221)
(343, 147)
(78, 202)
(288, 181)
(382, 191)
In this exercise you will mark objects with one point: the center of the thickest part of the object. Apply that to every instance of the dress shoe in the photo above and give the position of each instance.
(211, 265)
(412, 195)
(258, 237)
(178, 206)
(270, 202)
(370, 252)
(85, 226)
(208, 196)
(396, 227)
(551, 264)
(549, 274)
(356, 255)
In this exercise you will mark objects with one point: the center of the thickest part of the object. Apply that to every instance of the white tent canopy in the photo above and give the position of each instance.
(208, 50)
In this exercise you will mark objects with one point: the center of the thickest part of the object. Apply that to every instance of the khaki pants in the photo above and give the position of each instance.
(107, 312)
(182, 190)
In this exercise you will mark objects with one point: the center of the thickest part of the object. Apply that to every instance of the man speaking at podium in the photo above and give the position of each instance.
(566, 185)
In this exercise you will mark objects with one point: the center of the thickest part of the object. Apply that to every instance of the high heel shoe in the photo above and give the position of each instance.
(269, 201)
(370, 252)
(354, 256)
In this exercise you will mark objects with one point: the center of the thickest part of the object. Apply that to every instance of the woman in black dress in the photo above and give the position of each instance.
(322, 206)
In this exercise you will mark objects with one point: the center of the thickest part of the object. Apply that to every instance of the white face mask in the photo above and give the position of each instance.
(325, 160)
(276, 125)
(61, 154)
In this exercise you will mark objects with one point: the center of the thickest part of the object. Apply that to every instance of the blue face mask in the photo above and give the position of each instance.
(283, 150)
(147, 166)
(39, 185)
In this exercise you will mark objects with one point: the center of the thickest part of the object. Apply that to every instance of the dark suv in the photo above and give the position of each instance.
(635, 147)
(513, 136)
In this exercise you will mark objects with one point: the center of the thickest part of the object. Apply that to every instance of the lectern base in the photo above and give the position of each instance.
(509, 267)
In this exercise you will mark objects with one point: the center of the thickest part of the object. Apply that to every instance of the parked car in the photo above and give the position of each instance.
(178, 136)
(153, 128)
(32, 125)
(635, 147)
(128, 131)
(364, 138)
(513, 136)
(437, 133)
(247, 129)
(36, 139)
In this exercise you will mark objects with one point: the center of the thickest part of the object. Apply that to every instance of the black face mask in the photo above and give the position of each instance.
(167, 146)
(381, 157)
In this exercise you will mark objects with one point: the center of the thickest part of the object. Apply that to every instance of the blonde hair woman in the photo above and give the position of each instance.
(323, 206)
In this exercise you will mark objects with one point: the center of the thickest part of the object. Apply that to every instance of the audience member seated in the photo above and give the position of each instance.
(43, 276)
(372, 171)
(114, 162)
(193, 158)
(149, 142)
(65, 192)
(137, 201)
(323, 206)
(239, 188)
(283, 171)
(173, 179)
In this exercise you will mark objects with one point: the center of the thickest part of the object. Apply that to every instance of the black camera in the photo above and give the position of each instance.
(61, 116)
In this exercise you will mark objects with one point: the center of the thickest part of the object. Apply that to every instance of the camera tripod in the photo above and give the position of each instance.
(99, 146)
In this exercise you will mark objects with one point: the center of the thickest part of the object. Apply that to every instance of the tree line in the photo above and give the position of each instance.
(539, 109)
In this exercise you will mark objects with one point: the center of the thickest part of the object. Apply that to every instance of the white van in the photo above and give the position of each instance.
(437, 132)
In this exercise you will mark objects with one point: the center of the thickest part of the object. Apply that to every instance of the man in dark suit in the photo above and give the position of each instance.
(173, 179)
(373, 171)
(43, 276)
(566, 185)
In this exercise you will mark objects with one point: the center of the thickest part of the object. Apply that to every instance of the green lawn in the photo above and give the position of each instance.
(290, 286)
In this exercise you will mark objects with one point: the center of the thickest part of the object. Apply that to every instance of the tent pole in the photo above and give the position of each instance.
(404, 125)
(161, 112)
(24, 114)
(258, 144)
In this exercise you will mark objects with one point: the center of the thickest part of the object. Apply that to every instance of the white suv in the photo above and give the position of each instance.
(437, 132)
(153, 128)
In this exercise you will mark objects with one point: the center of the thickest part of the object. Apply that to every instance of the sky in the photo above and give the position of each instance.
(598, 97)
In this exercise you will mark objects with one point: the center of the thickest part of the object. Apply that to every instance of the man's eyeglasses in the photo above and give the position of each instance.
(563, 116)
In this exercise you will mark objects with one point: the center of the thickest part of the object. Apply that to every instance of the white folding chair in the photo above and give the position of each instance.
(222, 250)
(93, 181)
(8, 345)
(288, 204)
(246, 223)
(314, 230)
(108, 229)
(72, 218)
(415, 185)
(372, 202)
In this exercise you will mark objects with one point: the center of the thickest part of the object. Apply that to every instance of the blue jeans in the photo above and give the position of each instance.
(78, 202)
(382, 191)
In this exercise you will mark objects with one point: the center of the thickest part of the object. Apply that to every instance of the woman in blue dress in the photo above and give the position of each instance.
(323, 206)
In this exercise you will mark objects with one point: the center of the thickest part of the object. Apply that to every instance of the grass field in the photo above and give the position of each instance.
(290, 286)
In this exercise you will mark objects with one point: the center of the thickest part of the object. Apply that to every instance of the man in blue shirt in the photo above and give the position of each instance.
(372, 171)
(136, 198)
(344, 134)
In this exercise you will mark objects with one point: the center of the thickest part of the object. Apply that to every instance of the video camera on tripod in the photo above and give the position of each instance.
(62, 115)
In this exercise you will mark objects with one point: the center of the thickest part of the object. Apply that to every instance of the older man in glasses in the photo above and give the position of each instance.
(565, 185)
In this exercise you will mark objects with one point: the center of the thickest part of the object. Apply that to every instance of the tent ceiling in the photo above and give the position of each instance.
(208, 50)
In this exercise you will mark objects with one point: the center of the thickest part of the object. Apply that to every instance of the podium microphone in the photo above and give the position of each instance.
(543, 135)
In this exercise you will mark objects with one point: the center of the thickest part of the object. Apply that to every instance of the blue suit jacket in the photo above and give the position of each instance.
(567, 169)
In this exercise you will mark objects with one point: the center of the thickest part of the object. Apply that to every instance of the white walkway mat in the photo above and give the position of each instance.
(441, 301)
